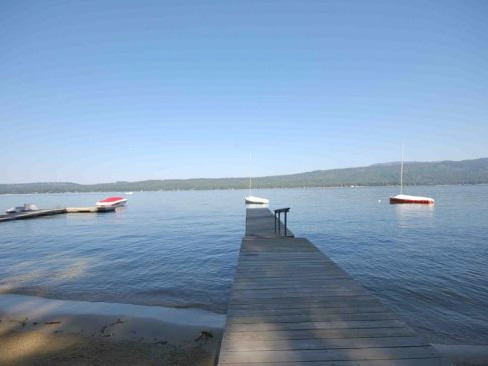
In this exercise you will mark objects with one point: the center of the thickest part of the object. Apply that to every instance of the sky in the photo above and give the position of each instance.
(102, 91)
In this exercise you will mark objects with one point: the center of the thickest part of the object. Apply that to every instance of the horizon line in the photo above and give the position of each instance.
(242, 177)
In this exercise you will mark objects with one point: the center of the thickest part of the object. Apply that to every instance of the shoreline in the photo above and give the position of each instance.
(40, 331)
(345, 186)
(34, 330)
(39, 307)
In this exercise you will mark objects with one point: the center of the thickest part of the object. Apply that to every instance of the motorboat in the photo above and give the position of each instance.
(112, 202)
(405, 198)
(27, 207)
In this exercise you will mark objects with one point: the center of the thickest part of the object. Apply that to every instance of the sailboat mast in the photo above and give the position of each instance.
(401, 171)
(250, 175)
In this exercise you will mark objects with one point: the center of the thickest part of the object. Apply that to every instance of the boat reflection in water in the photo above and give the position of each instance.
(414, 216)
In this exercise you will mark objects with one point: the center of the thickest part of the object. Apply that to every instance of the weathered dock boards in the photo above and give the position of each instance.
(32, 214)
(292, 305)
(53, 211)
(260, 224)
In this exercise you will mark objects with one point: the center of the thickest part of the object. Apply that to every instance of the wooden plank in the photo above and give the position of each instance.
(261, 293)
(319, 343)
(317, 317)
(305, 300)
(276, 286)
(309, 310)
(356, 324)
(324, 285)
(320, 333)
(285, 270)
(247, 253)
(269, 295)
(278, 258)
(301, 276)
(328, 355)
(244, 265)
(286, 281)
(395, 362)
(322, 290)
(323, 302)
(283, 248)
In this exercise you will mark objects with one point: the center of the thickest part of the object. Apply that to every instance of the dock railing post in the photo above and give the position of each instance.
(286, 214)
(277, 214)
(279, 222)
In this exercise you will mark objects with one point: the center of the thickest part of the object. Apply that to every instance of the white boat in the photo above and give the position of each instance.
(257, 200)
(253, 199)
(112, 202)
(405, 198)
(129, 193)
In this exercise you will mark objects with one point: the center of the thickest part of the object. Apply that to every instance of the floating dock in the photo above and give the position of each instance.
(292, 305)
(52, 211)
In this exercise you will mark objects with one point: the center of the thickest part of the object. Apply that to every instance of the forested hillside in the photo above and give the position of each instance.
(415, 173)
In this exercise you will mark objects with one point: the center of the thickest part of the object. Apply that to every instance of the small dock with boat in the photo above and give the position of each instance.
(29, 211)
(290, 304)
(51, 212)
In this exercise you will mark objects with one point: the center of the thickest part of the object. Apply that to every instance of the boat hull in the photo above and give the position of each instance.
(256, 200)
(399, 199)
(112, 202)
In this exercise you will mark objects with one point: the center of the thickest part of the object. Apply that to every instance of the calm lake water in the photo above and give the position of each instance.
(430, 264)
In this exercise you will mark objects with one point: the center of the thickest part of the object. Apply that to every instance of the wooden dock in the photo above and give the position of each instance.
(292, 305)
(52, 211)
(32, 214)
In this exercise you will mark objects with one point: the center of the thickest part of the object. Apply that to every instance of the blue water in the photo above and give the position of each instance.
(180, 249)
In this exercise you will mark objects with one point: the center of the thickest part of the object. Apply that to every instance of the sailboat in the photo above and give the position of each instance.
(253, 199)
(405, 198)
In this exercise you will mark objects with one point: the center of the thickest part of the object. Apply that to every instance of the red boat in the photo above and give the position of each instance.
(112, 202)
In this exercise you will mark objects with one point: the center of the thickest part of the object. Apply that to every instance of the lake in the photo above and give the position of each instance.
(179, 249)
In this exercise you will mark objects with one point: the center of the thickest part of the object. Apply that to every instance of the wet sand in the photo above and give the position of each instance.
(36, 331)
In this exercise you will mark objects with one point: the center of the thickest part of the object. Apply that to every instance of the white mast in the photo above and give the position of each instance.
(401, 171)
(250, 179)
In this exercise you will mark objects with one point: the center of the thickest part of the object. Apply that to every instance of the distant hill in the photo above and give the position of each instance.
(416, 173)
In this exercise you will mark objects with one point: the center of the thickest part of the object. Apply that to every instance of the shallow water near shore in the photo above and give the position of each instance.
(179, 249)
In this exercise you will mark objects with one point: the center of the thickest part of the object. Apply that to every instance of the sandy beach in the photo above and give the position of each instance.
(37, 331)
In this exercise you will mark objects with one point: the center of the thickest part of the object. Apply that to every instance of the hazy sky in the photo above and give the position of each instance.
(97, 91)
